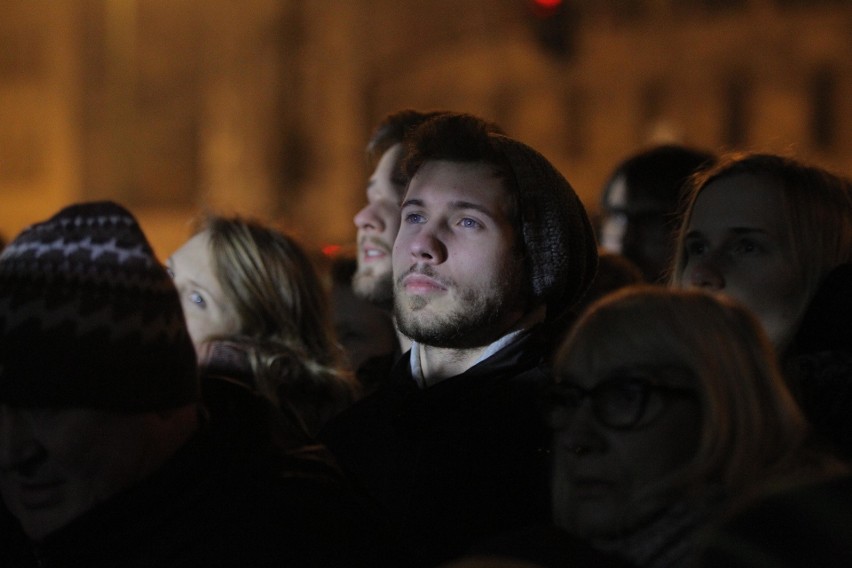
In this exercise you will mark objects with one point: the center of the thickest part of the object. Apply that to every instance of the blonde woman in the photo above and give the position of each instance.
(257, 311)
(776, 235)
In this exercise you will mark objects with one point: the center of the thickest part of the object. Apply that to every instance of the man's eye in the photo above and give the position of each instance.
(197, 299)
(469, 223)
(414, 218)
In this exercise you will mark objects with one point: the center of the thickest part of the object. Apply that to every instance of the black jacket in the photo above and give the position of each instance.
(454, 463)
(229, 497)
(807, 526)
(819, 361)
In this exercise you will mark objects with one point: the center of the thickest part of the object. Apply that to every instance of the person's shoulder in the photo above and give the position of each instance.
(810, 525)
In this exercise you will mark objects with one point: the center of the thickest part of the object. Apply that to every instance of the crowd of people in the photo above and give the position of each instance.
(496, 379)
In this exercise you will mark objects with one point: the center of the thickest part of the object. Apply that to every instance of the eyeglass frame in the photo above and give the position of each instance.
(628, 375)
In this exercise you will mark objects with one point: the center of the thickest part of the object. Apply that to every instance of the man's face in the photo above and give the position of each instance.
(638, 228)
(378, 223)
(57, 464)
(458, 275)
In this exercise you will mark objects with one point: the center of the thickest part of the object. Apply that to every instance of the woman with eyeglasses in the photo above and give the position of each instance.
(667, 408)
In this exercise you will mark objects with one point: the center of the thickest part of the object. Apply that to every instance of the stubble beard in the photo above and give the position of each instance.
(471, 322)
(373, 286)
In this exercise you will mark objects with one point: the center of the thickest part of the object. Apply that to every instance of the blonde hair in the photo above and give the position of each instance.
(752, 429)
(817, 210)
(284, 319)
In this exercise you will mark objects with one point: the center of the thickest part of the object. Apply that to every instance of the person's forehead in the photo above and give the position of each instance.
(474, 182)
(741, 200)
(194, 248)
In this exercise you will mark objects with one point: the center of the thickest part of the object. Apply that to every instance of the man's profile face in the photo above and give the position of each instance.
(56, 464)
(377, 224)
(458, 275)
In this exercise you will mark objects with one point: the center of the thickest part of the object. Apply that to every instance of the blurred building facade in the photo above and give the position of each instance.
(262, 107)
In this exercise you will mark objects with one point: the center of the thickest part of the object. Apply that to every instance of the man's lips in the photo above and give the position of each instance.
(421, 284)
(369, 254)
(372, 251)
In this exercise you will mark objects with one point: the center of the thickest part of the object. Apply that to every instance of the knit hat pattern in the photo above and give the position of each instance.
(89, 318)
(558, 237)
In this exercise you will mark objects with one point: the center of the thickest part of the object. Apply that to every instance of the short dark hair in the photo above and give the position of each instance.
(459, 137)
(391, 131)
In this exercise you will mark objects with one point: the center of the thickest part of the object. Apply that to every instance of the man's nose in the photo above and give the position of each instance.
(428, 246)
(581, 433)
(367, 219)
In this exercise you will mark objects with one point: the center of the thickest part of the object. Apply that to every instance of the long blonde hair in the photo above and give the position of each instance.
(284, 319)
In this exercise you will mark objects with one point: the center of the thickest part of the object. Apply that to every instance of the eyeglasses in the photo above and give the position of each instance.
(619, 403)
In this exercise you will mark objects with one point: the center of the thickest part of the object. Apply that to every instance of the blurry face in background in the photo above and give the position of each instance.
(206, 309)
(378, 223)
(607, 480)
(738, 244)
(56, 464)
(637, 227)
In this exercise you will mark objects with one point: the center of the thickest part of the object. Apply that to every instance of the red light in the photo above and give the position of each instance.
(331, 250)
(546, 8)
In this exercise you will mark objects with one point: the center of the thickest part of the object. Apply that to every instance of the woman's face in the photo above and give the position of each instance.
(207, 310)
(620, 430)
(738, 244)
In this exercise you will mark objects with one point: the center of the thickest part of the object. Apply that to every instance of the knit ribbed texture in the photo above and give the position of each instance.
(89, 318)
(558, 237)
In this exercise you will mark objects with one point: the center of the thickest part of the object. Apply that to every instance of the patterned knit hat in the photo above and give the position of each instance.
(89, 318)
(558, 238)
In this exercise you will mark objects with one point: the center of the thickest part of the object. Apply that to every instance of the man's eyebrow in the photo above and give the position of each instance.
(412, 202)
(455, 205)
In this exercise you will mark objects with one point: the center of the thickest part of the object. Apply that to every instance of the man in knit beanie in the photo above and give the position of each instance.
(107, 455)
(493, 248)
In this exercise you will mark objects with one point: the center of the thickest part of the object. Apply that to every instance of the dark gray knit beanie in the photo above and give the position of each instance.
(89, 318)
(558, 238)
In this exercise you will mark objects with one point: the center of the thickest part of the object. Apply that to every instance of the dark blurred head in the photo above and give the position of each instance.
(639, 205)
